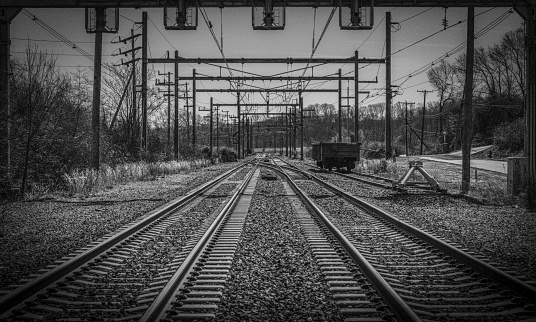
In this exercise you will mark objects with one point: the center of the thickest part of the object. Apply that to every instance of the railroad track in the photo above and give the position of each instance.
(371, 270)
(118, 284)
(371, 180)
(439, 281)
(118, 276)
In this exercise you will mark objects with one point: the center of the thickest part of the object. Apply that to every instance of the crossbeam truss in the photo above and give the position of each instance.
(249, 3)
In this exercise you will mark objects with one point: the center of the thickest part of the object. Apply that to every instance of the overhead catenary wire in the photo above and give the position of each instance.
(56, 34)
(454, 50)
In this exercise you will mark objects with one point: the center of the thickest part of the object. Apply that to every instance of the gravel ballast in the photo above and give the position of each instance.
(274, 276)
(34, 234)
(503, 234)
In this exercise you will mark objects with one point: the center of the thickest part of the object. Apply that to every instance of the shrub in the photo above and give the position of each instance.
(228, 155)
(509, 136)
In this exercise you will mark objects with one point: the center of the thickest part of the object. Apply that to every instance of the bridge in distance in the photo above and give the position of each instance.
(525, 8)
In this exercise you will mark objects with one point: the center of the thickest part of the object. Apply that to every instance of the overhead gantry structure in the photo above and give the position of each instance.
(353, 14)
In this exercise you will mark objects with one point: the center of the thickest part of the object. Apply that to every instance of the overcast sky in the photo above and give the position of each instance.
(240, 40)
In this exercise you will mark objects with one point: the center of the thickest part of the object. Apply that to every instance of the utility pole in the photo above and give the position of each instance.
(187, 103)
(228, 128)
(294, 133)
(217, 131)
(406, 128)
(423, 113)
(176, 106)
(275, 136)
(340, 107)
(97, 68)
(167, 94)
(388, 90)
(356, 98)
(210, 130)
(287, 132)
(144, 52)
(134, 111)
(8, 14)
(468, 104)
(246, 150)
(193, 109)
(238, 115)
(301, 124)
(134, 88)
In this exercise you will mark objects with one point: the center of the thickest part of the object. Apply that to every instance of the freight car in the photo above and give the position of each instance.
(339, 154)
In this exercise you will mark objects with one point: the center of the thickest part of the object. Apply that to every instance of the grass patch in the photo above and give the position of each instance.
(84, 182)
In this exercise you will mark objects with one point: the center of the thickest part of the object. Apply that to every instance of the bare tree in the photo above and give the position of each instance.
(41, 90)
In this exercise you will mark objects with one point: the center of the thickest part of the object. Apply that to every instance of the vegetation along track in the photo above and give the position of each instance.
(118, 276)
(439, 281)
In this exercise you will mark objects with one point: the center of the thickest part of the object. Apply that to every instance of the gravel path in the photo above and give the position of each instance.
(274, 276)
(34, 234)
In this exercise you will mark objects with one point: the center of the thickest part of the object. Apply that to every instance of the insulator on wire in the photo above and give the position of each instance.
(445, 22)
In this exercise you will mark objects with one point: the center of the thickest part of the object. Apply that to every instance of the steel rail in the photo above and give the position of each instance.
(372, 183)
(399, 307)
(499, 276)
(157, 309)
(23, 293)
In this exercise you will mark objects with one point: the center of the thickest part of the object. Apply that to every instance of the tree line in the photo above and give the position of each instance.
(498, 100)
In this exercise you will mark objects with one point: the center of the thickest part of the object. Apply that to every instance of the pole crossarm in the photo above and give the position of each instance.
(248, 3)
(182, 60)
(255, 105)
(267, 78)
(264, 90)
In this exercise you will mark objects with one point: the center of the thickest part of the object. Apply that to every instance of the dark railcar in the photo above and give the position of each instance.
(336, 154)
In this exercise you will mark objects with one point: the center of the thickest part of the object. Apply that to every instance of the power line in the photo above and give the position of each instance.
(72, 55)
(57, 34)
(416, 15)
(49, 40)
(457, 48)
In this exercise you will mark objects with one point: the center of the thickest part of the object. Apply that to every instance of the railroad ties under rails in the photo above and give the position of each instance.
(75, 283)
(195, 288)
(439, 281)
(399, 308)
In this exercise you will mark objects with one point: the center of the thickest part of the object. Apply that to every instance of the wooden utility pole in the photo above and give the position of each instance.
(294, 133)
(168, 111)
(5, 106)
(210, 130)
(301, 124)
(134, 88)
(176, 106)
(287, 132)
(97, 68)
(468, 104)
(406, 128)
(356, 98)
(194, 108)
(218, 131)
(187, 103)
(168, 94)
(238, 115)
(144, 51)
(388, 94)
(423, 113)
(340, 106)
